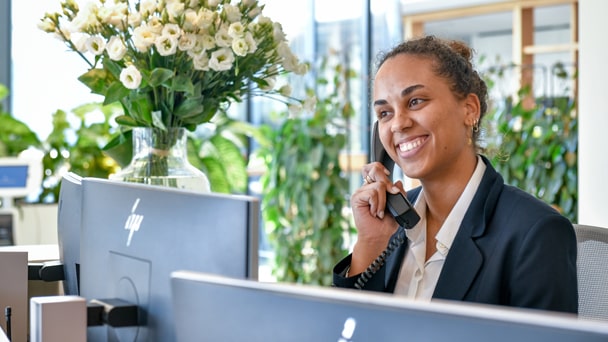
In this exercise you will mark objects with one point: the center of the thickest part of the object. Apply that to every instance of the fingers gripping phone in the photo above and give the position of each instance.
(397, 204)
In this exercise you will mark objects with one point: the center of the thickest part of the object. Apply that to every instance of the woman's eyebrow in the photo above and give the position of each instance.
(410, 89)
(404, 93)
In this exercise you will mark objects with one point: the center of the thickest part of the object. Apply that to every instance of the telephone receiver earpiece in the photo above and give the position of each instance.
(397, 204)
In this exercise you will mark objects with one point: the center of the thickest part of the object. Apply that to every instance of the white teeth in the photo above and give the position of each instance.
(408, 146)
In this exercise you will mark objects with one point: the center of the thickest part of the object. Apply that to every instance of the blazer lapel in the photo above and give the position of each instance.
(464, 258)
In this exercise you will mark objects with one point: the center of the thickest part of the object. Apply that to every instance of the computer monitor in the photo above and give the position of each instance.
(134, 235)
(217, 308)
(69, 210)
(19, 177)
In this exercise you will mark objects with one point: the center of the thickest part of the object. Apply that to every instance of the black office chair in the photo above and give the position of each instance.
(592, 269)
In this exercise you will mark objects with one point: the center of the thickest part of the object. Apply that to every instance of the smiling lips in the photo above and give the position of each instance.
(410, 145)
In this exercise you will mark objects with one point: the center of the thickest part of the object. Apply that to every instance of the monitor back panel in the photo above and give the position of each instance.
(214, 308)
(68, 230)
(133, 236)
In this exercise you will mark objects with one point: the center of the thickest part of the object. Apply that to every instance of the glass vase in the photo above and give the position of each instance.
(160, 157)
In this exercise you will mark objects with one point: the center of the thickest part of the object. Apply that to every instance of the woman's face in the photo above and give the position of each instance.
(423, 126)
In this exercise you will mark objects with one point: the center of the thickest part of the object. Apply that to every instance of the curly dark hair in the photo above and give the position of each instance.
(452, 61)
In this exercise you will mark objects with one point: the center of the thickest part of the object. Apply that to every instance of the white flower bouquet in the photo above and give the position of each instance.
(175, 63)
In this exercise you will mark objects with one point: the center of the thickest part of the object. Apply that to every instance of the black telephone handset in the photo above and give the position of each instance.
(397, 204)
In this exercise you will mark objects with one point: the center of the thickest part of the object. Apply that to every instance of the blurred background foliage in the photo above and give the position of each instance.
(536, 147)
(305, 192)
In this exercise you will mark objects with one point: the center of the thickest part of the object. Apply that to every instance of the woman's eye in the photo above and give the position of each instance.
(383, 113)
(415, 102)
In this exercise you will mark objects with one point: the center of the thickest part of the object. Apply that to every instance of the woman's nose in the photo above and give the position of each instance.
(401, 120)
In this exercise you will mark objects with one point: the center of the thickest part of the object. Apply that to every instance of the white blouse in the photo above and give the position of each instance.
(417, 277)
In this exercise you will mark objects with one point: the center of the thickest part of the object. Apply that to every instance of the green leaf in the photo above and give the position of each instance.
(126, 121)
(95, 80)
(182, 83)
(139, 107)
(234, 162)
(120, 148)
(217, 177)
(189, 109)
(112, 67)
(159, 76)
(16, 136)
(115, 93)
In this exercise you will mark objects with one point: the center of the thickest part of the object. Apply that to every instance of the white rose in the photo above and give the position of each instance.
(80, 41)
(285, 90)
(191, 20)
(155, 25)
(134, 19)
(143, 38)
(213, 3)
(264, 20)
(233, 13)
(239, 46)
(236, 30)
(147, 7)
(96, 45)
(115, 15)
(207, 42)
(291, 63)
(175, 9)
(86, 18)
(171, 30)
(277, 33)
(116, 48)
(130, 77)
(222, 38)
(254, 12)
(201, 62)
(187, 42)
(251, 43)
(207, 18)
(47, 26)
(270, 83)
(166, 45)
(221, 60)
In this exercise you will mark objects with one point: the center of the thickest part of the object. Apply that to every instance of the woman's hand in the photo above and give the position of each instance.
(374, 226)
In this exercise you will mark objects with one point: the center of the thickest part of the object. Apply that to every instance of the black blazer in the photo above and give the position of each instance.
(511, 249)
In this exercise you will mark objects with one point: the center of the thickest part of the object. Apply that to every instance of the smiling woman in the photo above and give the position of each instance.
(478, 239)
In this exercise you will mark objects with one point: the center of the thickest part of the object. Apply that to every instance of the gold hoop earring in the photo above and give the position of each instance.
(475, 126)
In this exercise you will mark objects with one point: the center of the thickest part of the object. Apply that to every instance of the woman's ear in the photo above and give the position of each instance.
(472, 109)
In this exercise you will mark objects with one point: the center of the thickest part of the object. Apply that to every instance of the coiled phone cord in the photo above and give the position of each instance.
(393, 244)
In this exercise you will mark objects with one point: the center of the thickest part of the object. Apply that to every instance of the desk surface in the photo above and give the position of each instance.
(36, 253)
